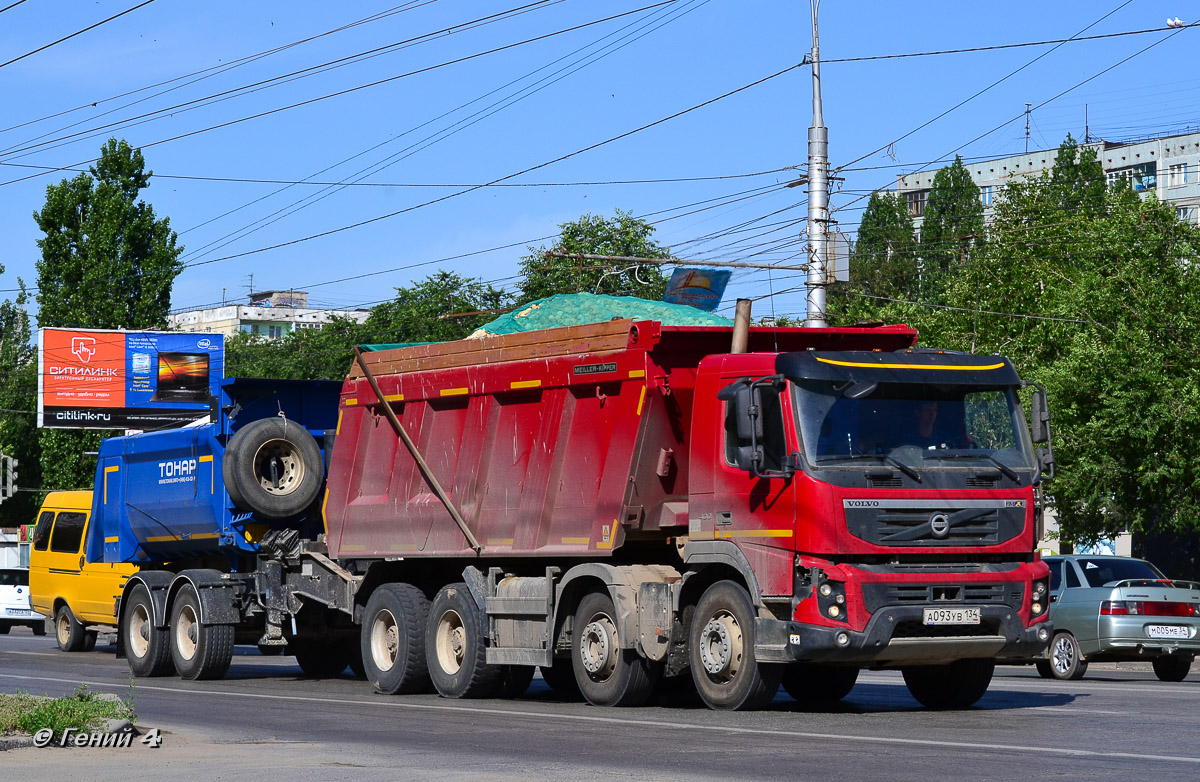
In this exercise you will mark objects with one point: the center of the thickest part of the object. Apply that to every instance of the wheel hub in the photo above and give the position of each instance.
(385, 641)
(451, 642)
(278, 467)
(595, 648)
(1063, 652)
(721, 646)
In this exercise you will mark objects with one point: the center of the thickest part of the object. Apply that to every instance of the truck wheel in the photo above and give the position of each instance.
(199, 651)
(320, 659)
(721, 651)
(273, 467)
(1065, 661)
(607, 674)
(39, 628)
(147, 648)
(1173, 668)
(954, 686)
(560, 678)
(454, 646)
(270, 650)
(809, 683)
(392, 642)
(70, 634)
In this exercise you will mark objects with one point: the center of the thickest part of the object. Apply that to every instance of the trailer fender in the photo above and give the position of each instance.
(640, 594)
(157, 582)
(721, 552)
(218, 598)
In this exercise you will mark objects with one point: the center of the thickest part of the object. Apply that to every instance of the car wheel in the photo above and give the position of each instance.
(1173, 668)
(70, 634)
(1065, 660)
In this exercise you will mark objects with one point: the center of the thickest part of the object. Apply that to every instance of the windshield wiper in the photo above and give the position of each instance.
(901, 466)
(1004, 468)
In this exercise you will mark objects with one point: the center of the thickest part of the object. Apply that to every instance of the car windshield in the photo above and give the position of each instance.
(921, 424)
(14, 578)
(1103, 571)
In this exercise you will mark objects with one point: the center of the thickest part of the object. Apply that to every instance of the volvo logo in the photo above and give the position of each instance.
(939, 525)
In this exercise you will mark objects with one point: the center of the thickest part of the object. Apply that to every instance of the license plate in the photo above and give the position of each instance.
(1167, 631)
(951, 616)
(19, 612)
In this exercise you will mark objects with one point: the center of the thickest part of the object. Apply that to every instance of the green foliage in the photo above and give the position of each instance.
(622, 235)
(18, 399)
(434, 310)
(1095, 293)
(84, 710)
(107, 262)
(953, 222)
(885, 259)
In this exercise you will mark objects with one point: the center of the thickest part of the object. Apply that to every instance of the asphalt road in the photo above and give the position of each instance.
(266, 721)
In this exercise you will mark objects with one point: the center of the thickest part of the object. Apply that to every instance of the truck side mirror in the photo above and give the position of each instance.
(1040, 418)
(746, 400)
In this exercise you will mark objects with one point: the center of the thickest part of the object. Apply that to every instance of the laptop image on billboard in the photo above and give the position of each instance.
(182, 377)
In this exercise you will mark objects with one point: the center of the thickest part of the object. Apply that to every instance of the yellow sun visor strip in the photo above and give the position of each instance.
(905, 366)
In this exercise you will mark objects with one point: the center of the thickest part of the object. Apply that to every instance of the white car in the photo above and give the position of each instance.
(15, 608)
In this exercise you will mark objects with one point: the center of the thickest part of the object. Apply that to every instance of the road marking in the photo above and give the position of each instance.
(624, 720)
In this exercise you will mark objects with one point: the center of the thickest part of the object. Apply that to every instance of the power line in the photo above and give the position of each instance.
(72, 35)
(13, 5)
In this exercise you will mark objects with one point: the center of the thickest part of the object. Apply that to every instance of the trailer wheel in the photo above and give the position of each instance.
(70, 634)
(147, 648)
(454, 646)
(320, 659)
(199, 651)
(809, 683)
(721, 651)
(392, 642)
(273, 467)
(607, 674)
(954, 686)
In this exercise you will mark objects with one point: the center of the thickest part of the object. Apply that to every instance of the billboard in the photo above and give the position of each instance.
(699, 288)
(90, 379)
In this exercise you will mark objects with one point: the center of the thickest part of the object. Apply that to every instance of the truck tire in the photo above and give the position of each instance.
(4, 628)
(70, 634)
(273, 467)
(608, 675)
(955, 686)
(147, 648)
(721, 651)
(392, 642)
(810, 683)
(320, 659)
(454, 646)
(1173, 668)
(199, 651)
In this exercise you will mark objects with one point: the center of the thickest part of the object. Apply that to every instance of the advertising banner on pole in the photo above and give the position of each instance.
(89, 379)
(699, 288)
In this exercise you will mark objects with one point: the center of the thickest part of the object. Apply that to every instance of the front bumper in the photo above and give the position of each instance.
(895, 636)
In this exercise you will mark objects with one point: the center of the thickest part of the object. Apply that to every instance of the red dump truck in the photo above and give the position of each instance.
(614, 503)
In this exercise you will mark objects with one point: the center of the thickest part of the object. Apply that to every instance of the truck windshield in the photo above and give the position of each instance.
(923, 426)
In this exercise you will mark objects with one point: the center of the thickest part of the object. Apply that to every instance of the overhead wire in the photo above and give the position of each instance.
(89, 28)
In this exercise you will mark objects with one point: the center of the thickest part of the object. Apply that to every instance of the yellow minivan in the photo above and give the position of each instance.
(76, 594)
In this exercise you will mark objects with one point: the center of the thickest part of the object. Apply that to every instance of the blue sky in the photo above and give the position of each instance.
(661, 60)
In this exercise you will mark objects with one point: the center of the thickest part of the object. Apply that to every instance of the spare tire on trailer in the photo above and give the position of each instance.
(273, 467)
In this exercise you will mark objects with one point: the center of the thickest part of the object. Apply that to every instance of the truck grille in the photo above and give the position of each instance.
(935, 523)
(876, 596)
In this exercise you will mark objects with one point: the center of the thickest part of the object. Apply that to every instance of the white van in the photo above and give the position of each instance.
(15, 608)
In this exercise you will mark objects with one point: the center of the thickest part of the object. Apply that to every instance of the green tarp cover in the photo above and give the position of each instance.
(577, 309)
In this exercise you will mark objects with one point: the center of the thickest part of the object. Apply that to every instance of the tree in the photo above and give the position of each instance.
(18, 400)
(953, 220)
(623, 235)
(885, 261)
(443, 306)
(99, 237)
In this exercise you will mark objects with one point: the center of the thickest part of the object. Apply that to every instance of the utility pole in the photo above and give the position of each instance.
(818, 191)
(1027, 105)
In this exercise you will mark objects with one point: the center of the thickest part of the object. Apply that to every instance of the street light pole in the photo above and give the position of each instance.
(818, 191)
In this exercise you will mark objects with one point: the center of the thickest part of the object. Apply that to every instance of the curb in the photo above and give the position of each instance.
(15, 742)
